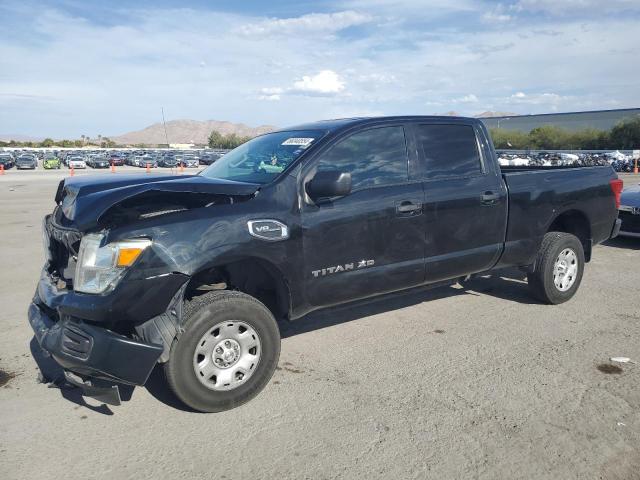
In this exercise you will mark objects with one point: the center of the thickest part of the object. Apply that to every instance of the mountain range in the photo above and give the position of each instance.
(188, 131)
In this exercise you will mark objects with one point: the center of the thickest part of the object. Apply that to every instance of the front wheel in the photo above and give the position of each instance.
(558, 268)
(227, 353)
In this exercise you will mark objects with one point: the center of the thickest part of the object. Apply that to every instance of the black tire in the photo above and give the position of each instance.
(541, 279)
(201, 314)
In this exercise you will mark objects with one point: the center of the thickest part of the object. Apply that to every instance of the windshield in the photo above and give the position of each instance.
(262, 159)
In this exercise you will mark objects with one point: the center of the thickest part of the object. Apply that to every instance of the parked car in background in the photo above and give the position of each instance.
(95, 161)
(76, 162)
(51, 162)
(168, 161)
(116, 160)
(209, 158)
(629, 212)
(190, 161)
(26, 162)
(6, 160)
(147, 160)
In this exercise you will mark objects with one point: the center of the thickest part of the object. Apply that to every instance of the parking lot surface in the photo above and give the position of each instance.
(475, 381)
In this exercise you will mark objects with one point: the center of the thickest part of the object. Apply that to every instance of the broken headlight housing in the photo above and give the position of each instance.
(100, 268)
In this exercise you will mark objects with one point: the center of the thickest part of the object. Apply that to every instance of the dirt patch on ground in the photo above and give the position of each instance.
(609, 369)
(5, 377)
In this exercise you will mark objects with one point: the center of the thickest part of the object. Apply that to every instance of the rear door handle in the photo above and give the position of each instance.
(408, 208)
(489, 198)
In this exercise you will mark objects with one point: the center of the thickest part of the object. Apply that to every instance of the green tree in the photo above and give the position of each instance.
(626, 134)
(217, 140)
(509, 139)
(47, 143)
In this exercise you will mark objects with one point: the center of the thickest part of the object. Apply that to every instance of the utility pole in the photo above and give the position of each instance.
(166, 137)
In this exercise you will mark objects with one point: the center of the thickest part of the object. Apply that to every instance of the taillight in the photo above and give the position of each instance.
(616, 187)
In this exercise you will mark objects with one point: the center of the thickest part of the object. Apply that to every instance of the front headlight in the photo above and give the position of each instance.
(100, 268)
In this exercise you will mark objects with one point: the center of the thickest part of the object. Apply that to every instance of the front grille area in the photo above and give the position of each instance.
(64, 244)
(630, 222)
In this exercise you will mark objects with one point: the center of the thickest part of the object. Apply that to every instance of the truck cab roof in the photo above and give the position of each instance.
(339, 124)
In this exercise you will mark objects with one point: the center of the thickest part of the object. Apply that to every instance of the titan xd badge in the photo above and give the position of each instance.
(270, 230)
(342, 268)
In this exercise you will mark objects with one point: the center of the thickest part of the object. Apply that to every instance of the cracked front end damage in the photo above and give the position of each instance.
(120, 334)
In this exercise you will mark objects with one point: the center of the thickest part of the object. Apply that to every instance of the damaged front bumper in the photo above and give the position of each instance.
(87, 351)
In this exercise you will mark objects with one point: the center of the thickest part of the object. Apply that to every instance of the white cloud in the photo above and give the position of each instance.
(492, 17)
(270, 93)
(326, 82)
(538, 98)
(498, 14)
(313, 22)
(376, 78)
(579, 8)
(471, 98)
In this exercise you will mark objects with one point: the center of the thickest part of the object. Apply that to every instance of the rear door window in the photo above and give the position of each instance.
(448, 150)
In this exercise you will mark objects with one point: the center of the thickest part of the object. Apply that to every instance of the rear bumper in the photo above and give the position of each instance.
(616, 228)
(629, 234)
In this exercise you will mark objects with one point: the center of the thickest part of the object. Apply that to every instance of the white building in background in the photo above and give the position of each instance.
(182, 146)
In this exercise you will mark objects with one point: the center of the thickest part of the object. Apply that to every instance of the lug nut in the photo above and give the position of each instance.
(219, 350)
(227, 344)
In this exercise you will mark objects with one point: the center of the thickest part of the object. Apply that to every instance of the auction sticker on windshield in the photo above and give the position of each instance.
(299, 141)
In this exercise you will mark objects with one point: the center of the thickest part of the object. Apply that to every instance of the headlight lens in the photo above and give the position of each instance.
(100, 268)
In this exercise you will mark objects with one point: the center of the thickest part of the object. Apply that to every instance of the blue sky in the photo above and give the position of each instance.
(91, 67)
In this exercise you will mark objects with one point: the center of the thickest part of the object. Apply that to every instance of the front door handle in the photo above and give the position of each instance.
(408, 208)
(489, 198)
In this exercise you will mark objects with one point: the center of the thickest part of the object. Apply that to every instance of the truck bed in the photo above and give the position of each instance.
(539, 194)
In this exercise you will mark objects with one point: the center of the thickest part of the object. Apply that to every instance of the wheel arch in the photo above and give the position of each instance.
(577, 223)
(254, 276)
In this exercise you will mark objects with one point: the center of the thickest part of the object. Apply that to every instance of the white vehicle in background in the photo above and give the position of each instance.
(77, 162)
(570, 157)
(617, 155)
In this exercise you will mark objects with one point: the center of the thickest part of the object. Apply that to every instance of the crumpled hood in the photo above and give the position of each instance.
(85, 199)
(631, 196)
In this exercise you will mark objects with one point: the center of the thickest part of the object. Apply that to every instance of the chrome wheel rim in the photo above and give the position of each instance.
(227, 355)
(565, 269)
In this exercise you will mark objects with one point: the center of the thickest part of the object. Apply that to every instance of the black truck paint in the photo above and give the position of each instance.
(299, 254)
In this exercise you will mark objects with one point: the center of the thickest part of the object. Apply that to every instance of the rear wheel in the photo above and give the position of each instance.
(227, 353)
(558, 268)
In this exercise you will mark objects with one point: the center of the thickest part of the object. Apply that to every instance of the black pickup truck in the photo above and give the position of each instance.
(192, 271)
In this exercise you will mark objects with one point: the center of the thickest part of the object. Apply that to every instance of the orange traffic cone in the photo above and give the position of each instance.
(181, 167)
(148, 167)
(2, 169)
(72, 170)
(113, 168)
(635, 167)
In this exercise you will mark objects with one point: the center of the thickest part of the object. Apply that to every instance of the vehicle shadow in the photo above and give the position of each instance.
(627, 243)
(52, 375)
(509, 285)
(157, 387)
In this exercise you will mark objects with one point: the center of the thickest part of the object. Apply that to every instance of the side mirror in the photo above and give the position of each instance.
(329, 184)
